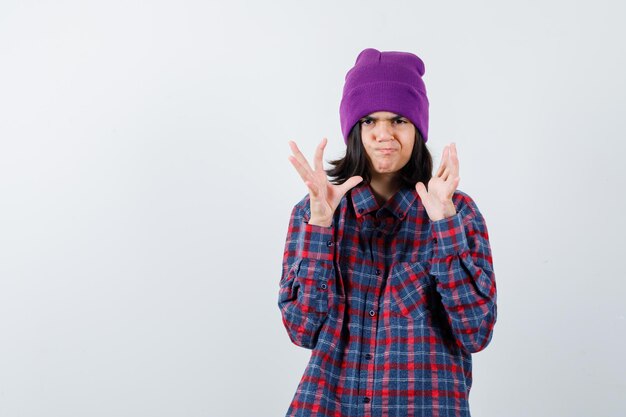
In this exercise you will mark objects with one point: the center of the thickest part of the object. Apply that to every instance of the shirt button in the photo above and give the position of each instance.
(378, 272)
(379, 233)
(360, 210)
(368, 356)
(329, 243)
(366, 399)
(323, 286)
(435, 240)
(372, 312)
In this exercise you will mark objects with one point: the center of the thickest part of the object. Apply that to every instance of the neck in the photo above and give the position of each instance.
(384, 187)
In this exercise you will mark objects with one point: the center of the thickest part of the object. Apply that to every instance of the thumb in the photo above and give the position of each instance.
(350, 182)
(421, 189)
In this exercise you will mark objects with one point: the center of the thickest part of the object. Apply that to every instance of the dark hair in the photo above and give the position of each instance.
(418, 168)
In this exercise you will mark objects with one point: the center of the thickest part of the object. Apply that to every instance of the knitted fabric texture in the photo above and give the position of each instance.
(385, 81)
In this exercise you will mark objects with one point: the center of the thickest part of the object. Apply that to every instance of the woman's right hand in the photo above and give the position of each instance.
(324, 196)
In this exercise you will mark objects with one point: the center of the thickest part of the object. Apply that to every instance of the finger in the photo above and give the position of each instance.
(449, 163)
(452, 187)
(313, 189)
(319, 153)
(451, 184)
(454, 160)
(442, 164)
(421, 189)
(300, 157)
(350, 183)
(446, 173)
(304, 174)
(441, 167)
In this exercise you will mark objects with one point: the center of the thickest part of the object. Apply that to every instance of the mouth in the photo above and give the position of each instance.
(386, 150)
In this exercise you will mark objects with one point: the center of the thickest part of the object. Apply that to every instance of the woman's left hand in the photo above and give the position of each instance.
(437, 199)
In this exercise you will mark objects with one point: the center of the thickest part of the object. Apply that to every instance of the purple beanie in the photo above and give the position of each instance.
(385, 81)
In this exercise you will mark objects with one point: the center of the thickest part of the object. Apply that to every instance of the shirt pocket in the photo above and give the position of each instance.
(410, 286)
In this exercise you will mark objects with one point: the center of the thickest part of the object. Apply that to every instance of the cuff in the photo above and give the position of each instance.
(319, 242)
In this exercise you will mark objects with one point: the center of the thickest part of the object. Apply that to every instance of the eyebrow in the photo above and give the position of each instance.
(396, 117)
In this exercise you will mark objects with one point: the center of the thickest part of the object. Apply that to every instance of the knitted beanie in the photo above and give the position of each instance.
(385, 81)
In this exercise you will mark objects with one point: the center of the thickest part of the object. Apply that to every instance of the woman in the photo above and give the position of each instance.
(388, 281)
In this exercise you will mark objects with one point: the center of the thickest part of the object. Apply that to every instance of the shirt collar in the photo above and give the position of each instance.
(364, 201)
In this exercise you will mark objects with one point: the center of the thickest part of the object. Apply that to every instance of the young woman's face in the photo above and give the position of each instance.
(388, 140)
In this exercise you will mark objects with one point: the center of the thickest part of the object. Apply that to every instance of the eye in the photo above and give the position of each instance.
(401, 121)
(366, 122)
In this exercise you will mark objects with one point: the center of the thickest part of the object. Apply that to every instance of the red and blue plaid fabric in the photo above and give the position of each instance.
(391, 304)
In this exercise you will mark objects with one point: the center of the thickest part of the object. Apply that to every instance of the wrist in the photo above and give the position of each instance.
(320, 222)
(448, 212)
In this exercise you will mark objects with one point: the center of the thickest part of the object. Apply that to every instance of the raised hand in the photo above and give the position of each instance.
(437, 199)
(324, 196)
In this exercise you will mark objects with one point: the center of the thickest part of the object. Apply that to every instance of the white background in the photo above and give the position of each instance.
(145, 194)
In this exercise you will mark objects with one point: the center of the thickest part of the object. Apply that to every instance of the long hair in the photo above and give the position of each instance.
(418, 168)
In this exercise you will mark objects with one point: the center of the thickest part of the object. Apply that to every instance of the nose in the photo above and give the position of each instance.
(384, 130)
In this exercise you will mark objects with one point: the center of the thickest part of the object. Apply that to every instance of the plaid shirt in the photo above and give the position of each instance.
(391, 304)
